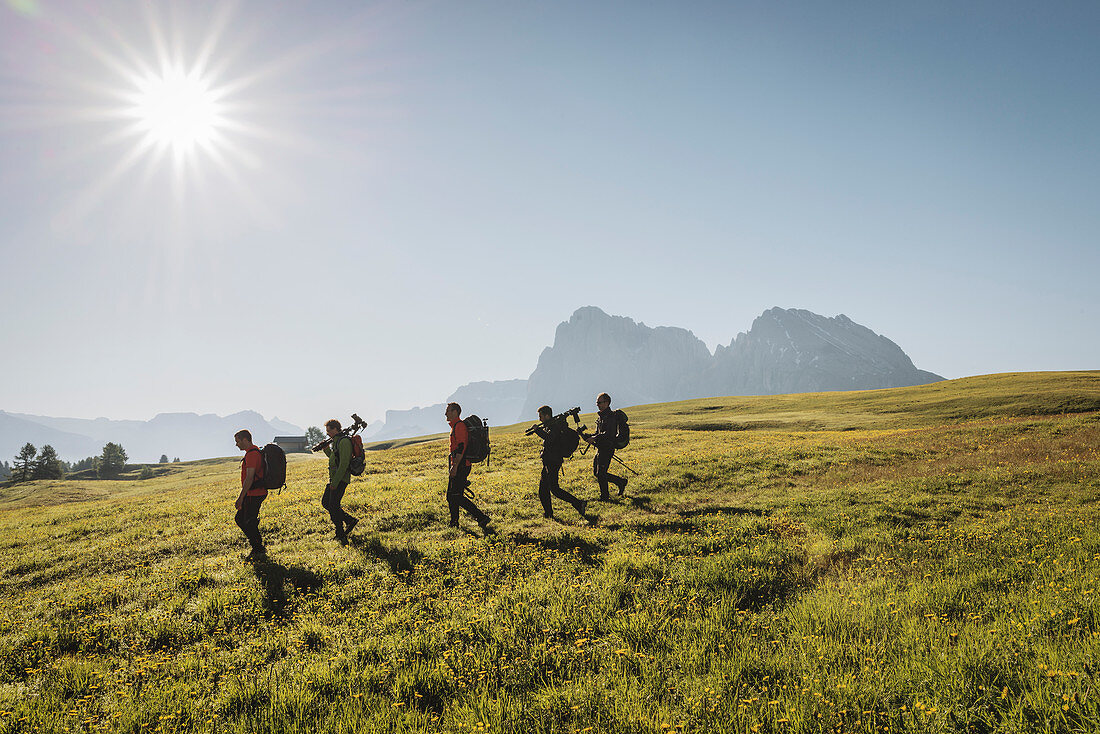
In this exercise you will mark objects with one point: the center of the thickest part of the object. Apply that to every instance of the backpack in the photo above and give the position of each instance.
(477, 443)
(358, 463)
(622, 435)
(358, 459)
(566, 441)
(274, 466)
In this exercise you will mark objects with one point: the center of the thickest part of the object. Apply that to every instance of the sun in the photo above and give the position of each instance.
(177, 109)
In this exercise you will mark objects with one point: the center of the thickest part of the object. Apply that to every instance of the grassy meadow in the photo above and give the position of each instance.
(920, 559)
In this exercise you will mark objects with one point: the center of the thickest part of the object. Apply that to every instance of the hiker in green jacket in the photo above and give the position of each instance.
(339, 475)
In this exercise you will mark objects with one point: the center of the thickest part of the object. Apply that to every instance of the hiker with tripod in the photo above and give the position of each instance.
(557, 443)
(604, 439)
(340, 451)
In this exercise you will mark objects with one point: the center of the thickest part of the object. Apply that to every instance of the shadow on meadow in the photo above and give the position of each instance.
(401, 560)
(274, 577)
(722, 510)
(655, 527)
(586, 551)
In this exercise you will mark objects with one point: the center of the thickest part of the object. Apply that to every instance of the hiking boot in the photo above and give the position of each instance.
(349, 525)
(622, 487)
(453, 524)
(256, 555)
(582, 507)
(605, 498)
(548, 515)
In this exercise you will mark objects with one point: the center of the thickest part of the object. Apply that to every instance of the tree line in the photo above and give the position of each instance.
(31, 464)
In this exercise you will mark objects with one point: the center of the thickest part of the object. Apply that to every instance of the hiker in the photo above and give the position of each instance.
(252, 494)
(459, 470)
(550, 432)
(607, 428)
(339, 476)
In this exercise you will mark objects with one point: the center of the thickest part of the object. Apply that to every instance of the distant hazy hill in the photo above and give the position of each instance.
(186, 435)
(497, 402)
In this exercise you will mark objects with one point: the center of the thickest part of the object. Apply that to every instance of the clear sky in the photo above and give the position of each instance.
(309, 209)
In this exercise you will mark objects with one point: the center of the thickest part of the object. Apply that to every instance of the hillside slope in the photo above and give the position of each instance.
(915, 559)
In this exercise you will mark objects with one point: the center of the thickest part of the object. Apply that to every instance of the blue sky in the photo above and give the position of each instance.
(409, 196)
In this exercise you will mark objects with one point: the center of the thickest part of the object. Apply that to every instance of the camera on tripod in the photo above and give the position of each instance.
(357, 424)
(563, 417)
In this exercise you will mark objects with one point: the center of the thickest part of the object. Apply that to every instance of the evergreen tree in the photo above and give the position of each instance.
(5, 471)
(146, 472)
(47, 465)
(164, 458)
(314, 436)
(88, 463)
(23, 468)
(112, 460)
(177, 460)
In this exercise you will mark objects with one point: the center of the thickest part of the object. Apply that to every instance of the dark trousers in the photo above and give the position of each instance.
(548, 485)
(600, 464)
(456, 498)
(331, 500)
(248, 520)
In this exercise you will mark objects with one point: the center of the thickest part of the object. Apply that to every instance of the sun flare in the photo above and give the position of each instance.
(177, 109)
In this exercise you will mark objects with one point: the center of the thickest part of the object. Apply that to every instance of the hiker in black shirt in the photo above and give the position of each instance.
(607, 428)
(550, 433)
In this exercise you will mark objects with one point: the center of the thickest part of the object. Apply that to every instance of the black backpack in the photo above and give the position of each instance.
(622, 435)
(477, 442)
(274, 466)
(566, 441)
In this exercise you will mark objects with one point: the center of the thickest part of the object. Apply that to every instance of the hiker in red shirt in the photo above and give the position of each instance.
(252, 493)
(459, 470)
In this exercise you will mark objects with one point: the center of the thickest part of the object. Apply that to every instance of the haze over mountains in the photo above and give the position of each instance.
(184, 435)
(785, 351)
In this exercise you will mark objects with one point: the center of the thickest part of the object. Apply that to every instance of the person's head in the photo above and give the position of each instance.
(243, 439)
(454, 410)
(545, 413)
(332, 427)
(603, 401)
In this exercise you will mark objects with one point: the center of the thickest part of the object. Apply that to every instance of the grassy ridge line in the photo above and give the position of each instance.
(920, 574)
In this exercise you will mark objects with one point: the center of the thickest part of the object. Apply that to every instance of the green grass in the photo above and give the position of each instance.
(919, 559)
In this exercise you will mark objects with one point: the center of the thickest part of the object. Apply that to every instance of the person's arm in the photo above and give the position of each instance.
(457, 456)
(246, 484)
(345, 459)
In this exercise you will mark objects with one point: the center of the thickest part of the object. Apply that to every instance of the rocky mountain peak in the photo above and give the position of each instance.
(594, 351)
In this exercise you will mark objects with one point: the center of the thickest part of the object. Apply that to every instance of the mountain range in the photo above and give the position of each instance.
(785, 351)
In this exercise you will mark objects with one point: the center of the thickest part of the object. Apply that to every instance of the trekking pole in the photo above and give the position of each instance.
(616, 458)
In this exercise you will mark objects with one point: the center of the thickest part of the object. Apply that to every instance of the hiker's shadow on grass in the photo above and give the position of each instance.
(655, 527)
(724, 509)
(400, 560)
(587, 551)
(275, 577)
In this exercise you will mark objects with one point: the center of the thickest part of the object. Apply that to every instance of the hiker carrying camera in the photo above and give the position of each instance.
(550, 431)
(459, 470)
(607, 430)
(252, 493)
(339, 453)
